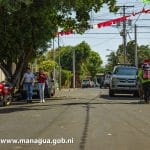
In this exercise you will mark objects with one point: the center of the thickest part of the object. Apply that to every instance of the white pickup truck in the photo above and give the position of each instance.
(124, 80)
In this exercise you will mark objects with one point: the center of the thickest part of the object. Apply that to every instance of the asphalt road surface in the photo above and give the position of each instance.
(89, 118)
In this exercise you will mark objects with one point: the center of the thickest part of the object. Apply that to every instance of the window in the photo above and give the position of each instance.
(125, 71)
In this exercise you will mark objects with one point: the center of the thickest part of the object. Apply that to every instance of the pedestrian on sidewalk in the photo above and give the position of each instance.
(41, 77)
(28, 83)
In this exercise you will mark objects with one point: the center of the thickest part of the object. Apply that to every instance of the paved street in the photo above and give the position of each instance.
(89, 116)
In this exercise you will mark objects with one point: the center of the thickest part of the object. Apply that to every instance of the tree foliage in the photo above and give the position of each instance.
(26, 26)
(118, 56)
(66, 77)
(112, 60)
(87, 62)
(82, 51)
(48, 65)
(143, 53)
(94, 63)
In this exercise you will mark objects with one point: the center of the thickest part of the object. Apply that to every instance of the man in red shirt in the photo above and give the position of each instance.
(41, 79)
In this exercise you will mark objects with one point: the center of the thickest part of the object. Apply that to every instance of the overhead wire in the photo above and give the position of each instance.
(93, 18)
(107, 40)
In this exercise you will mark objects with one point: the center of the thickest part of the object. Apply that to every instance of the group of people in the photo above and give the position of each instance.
(28, 82)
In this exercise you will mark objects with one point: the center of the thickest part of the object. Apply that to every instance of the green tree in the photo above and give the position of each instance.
(94, 63)
(143, 53)
(48, 65)
(112, 61)
(130, 52)
(26, 26)
(118, 57)
(66, 78)
(82, 52)
(87, 62)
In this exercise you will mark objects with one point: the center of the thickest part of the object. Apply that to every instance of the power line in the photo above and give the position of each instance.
(102, 38)
(112, 18)
(104, 41)
(90, 33)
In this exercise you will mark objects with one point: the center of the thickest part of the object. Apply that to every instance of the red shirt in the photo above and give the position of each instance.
(41, 78)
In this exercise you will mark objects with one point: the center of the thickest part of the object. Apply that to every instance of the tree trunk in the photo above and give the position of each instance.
(5, 70)
(23, 61)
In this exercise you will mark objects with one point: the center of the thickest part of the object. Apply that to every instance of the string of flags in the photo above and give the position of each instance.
(109, 22)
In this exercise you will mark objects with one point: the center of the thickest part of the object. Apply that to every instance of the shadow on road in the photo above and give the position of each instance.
(45, 106)
(23, 107)
(122, 99)
(119, 97)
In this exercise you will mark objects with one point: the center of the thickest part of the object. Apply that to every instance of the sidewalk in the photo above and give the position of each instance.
(77, 93)
(66, 93)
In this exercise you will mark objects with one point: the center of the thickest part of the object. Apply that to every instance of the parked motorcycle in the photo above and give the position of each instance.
(6, 93)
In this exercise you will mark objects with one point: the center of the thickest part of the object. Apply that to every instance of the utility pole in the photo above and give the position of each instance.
(74, 70)
(54, 69)
(136, 54)
(59, 64)
(124, 33)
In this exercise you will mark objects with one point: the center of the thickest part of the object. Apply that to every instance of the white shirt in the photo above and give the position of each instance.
(28, 77)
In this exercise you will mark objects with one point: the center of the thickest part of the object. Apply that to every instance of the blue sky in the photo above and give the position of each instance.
(109, 37)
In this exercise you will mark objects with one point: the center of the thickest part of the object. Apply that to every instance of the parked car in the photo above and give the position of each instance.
(86, 83)
(124, 80)
(96, 84)
(49, 88)
(107, 80)
(100, 79)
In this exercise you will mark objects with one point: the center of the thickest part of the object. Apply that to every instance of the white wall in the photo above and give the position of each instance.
(2, 76)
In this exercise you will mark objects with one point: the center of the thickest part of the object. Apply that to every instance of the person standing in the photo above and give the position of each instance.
(41, 77)
(144, 79)
(28, 82)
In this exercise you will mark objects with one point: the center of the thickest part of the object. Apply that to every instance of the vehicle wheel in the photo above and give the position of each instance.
(136, 94)
(146, 100)
(111, 93)
(4, 102)
(8, 99)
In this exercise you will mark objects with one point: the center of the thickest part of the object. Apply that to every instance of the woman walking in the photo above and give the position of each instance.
(41, 83)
